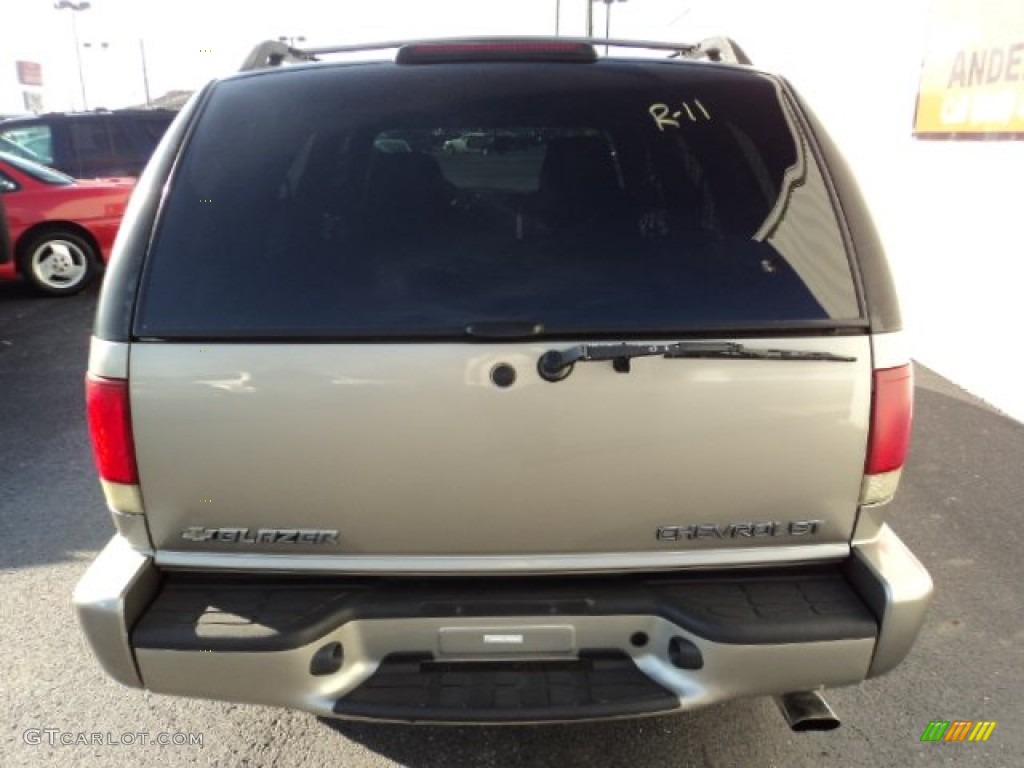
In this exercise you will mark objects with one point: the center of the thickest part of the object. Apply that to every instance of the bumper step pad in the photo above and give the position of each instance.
(415, 688)
(250, 613)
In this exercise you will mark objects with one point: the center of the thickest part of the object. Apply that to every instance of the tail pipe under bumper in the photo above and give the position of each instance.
(807, 711)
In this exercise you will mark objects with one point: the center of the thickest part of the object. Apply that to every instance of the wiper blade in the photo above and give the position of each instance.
(555, 365)
(732, 349)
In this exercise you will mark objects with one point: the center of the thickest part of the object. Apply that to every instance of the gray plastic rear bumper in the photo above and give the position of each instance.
(479, 651)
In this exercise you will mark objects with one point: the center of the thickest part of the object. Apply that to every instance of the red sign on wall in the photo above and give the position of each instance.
(29, 72)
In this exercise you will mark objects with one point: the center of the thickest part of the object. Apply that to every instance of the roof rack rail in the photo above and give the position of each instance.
(273, 53)
(720, 49)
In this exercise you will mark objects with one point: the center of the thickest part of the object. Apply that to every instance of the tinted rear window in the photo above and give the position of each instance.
(379, 201)
(36, 171)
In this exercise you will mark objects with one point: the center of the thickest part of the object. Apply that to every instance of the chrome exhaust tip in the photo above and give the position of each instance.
(807, 711)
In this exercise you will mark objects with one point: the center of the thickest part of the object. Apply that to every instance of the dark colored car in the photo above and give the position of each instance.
(88, 144)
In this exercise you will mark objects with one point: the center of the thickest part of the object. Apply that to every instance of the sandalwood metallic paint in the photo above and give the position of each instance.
(410, 449)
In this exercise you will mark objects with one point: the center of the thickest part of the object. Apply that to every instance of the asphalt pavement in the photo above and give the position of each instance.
(958, 509)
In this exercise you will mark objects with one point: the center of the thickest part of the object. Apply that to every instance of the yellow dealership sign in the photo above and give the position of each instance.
(972, 79)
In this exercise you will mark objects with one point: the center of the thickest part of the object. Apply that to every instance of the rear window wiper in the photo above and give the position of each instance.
(555, 365)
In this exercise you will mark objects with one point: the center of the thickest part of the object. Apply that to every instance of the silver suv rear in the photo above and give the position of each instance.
(601, 424)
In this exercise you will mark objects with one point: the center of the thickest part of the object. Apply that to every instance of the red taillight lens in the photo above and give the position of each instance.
(110, 428)
(892, 408)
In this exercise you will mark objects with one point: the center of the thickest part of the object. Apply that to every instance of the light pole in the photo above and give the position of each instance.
(74, 7)
(103, 46)
(97, 69)
(145, 72)
(607, 19)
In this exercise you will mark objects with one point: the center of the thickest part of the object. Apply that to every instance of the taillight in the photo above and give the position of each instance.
(892, 407)
(110, 428)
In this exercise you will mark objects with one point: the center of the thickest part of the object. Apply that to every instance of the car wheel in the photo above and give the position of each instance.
(59, 262)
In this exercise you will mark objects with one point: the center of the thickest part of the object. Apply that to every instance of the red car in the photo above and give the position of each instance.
(61, 229)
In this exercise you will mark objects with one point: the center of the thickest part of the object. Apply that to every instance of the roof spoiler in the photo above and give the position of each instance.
(273, 53)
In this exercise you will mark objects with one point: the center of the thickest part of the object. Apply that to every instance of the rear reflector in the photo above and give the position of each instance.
(498, 50)
(892, 407)
(879, 489)
(110, 429)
